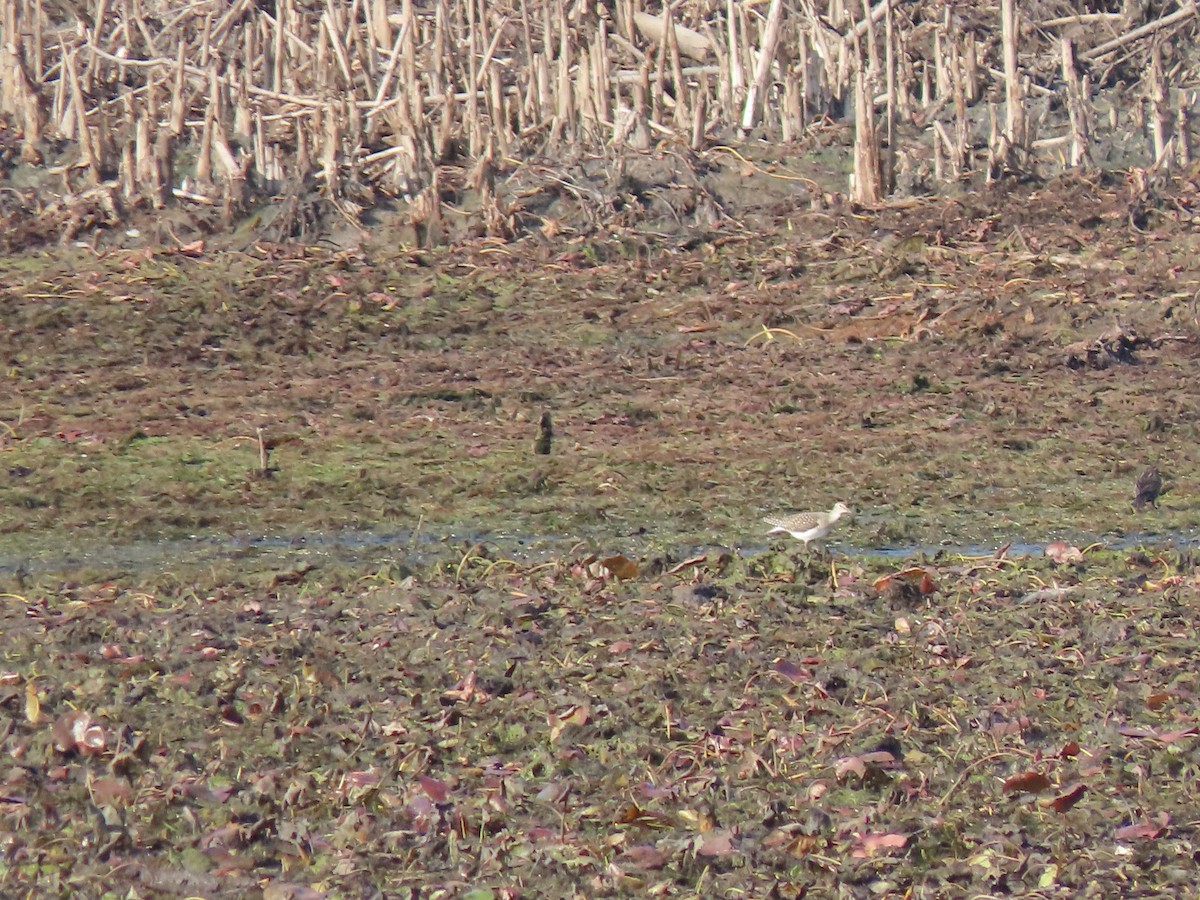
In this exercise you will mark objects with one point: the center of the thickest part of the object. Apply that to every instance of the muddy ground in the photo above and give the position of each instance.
(995, 367)
(273, 520)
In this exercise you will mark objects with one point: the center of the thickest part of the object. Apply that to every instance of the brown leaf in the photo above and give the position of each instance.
(1026, 783)
(554, 792)
(1170, 737)
(107, 791)
(620, 567)
(1141, 831)
(636, 815)
(1067, 799)
(228, 834)
(33, 705)
(795, 842)
(363, 778)
(687, 563)
(657, 791)
(436, 790)
(75, 730)
(1063, 554)
(464, 691)
(644, 856)
(1002, 727)
(1158, 700)
(874, 843)
(629, 815)
(1132, 731)
(715, 844)
(850, 765)
(791, 671)
(881, 758)
(573, 715)
(282, 890)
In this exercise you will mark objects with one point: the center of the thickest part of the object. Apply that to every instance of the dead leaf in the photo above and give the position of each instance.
(464, 691)
(791, 671)
(109, 791)
(436, 790)
(1135, 732)
(882, 758)
(1026, 783)
(644, 856)
(283, 890)
(874, 843)
(850, 765)
(657, 791)
(795, 842)
(1170, 737)
(1067, 799)
(620, 567)
(915, 576)
(716, 844)
(1063, 554)
(33, 704)
(1140, 831)
(76, 731)
(573, 715)
(636, 815)
(554, 792)
(364, 779)
(686, 564)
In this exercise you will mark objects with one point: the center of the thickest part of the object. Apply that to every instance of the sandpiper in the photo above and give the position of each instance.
(1147, 488)
(808, 526)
